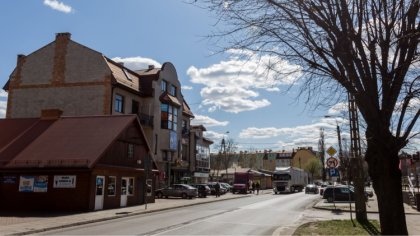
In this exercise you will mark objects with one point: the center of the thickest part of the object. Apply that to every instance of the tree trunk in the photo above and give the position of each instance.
(382, 157)
(359, 189)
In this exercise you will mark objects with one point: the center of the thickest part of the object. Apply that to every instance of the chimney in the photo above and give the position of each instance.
(151, 67)
(51, 114)
(63, 36)
(20, 58)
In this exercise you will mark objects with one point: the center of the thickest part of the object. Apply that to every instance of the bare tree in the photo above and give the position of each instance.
(364, 47)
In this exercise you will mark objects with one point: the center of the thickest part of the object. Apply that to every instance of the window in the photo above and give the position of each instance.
(130, 186)
(111, 186)
(168, 116)
(134, 107)
(163, 85)
(119, 103)
(130, 151)
(172, 90)
(127, 75)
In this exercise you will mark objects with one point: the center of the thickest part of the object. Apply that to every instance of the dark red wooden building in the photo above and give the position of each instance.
(74, 163)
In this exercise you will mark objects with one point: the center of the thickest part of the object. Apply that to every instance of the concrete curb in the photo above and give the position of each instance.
(121, 216)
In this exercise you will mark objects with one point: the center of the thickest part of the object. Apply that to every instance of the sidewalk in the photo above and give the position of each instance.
(22, 224)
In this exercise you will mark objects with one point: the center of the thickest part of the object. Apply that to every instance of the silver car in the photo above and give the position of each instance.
(177, 190)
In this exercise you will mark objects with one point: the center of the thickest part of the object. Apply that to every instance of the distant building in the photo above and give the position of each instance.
(302, 156)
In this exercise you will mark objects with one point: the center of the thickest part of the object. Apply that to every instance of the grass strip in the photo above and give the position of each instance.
(339, 227)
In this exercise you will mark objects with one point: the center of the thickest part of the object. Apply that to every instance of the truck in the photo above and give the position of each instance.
(289, 179)
(241, 182)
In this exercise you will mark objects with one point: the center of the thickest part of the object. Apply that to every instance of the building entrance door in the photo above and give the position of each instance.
(124, 191)
(99, 192)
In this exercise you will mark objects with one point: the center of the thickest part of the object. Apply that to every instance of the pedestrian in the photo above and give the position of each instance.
(217, 189)
(258, 187)
(253, 187)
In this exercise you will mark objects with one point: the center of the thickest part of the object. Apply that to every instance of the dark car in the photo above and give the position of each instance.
(177, 190)
(203, 189)
(311, 188)
(340, 193)
(212, 185)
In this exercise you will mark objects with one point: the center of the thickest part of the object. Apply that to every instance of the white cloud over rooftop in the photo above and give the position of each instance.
(207, 121)
(58, 6)
(137, 63)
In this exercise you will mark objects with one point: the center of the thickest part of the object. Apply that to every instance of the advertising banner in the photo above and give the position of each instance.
(8, 179)
(41, 183)
(26, 183)
(64, 181)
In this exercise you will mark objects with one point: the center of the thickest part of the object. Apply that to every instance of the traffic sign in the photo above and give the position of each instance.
(331, 151)
(332, 162)
(333, 172)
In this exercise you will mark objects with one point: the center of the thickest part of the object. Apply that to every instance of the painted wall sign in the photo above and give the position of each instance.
(26, 183)
(64, 181)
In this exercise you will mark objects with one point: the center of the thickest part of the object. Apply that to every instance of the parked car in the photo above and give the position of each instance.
(323, 187)
(227, 186)
(203, 189)
(177, 190)
(212, 185)
(340, 193)
(311, 188)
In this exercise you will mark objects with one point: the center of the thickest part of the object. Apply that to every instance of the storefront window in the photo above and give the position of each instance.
(111, 186)
(131, 186)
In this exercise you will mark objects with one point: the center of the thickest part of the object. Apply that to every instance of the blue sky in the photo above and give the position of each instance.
(225, 93)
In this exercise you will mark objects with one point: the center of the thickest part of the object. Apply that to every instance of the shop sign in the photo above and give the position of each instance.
(64, 181)
(8, 179)
(202, 175)
(26, 183)
(41, 183)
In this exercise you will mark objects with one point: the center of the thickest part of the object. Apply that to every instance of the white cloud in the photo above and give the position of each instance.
(58, 6)
(3, 94)
(338, 108)
(186, 87)
(213, 135)
(207, 121)
(3, 105)
(232, 85)
(137, 63)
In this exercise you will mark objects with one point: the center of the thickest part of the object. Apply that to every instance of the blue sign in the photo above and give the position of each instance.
(333, 172)
(173, 140)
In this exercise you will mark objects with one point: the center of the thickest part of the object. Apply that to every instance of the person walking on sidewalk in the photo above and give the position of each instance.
(217, 189)
(258, 187)
(253, 187)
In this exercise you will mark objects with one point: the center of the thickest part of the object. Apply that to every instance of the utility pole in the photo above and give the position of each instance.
(321, 148)
(356, 162)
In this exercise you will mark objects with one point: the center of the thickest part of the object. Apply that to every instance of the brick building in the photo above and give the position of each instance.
(80, 81)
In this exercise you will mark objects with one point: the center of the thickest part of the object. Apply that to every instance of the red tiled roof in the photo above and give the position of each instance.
(167, 98)
(72, 142)
(16, 134)
(186, 109)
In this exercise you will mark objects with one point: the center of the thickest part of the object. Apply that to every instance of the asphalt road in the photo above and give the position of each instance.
(255, 215)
